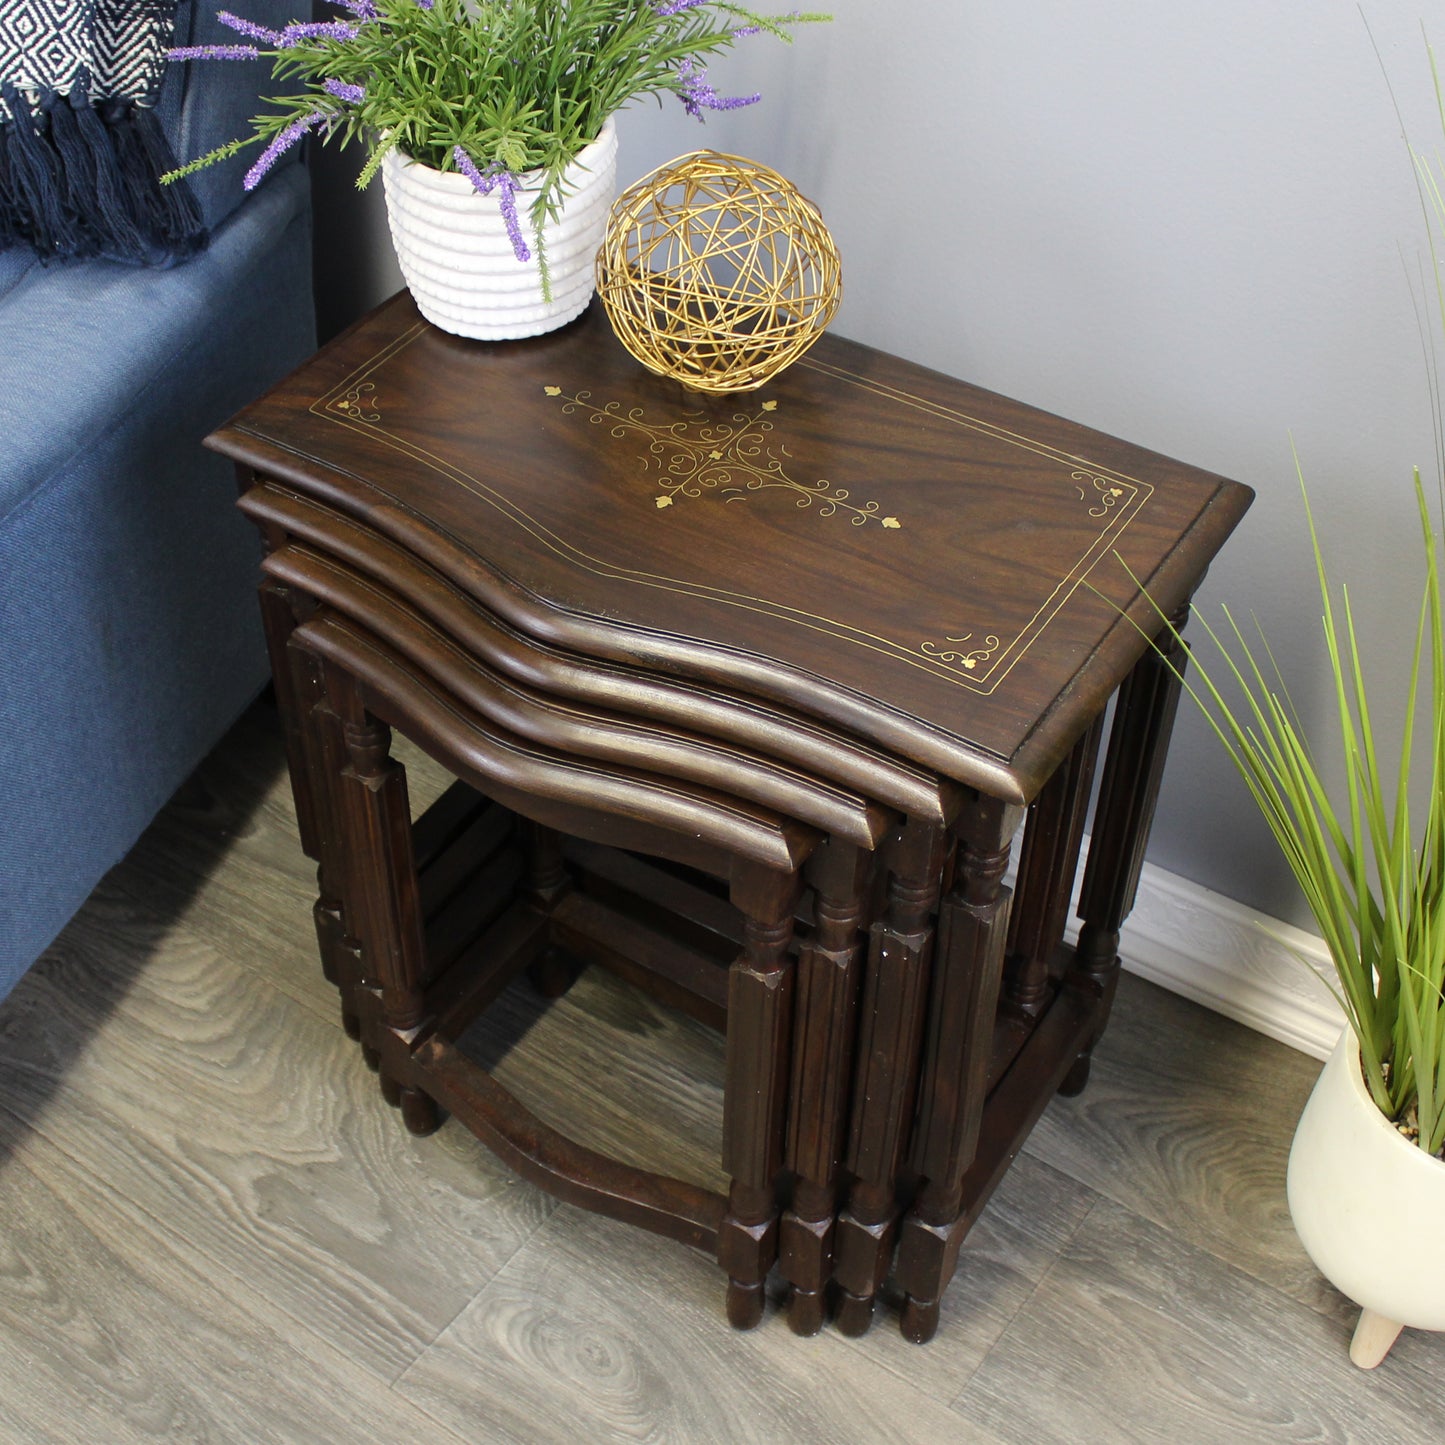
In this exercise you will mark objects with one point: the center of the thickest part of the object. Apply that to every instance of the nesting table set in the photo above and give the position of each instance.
(747, 699)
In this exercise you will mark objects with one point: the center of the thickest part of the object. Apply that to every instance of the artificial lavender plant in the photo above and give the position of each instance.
(488, 88)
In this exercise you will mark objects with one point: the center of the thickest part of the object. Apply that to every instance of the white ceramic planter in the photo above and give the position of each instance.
(1369, 1207)
(457, 258)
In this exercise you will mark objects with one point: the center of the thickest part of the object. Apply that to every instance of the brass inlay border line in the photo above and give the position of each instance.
(987, 428)
(339, 405)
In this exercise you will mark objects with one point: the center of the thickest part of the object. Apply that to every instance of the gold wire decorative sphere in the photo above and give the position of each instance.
(715, 270)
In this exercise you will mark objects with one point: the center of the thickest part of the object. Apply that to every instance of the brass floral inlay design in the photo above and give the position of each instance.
(1106, 494)
(696, 456)
(960, 655)
(359, 402)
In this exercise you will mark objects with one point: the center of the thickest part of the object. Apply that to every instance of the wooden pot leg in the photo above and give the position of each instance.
(890, 1027)
(967, 971)
(1138, 744)
(760, 1001)
(825, 1015)
(1374, 1336)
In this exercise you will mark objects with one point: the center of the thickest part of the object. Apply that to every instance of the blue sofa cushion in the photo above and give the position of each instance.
(129, 637)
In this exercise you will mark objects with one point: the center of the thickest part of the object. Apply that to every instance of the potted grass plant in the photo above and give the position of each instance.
(491, 121)
(1366, 1181)
(1366, 1178)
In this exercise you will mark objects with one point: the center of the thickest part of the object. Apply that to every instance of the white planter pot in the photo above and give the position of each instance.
(1369, 1208)
(457, 258)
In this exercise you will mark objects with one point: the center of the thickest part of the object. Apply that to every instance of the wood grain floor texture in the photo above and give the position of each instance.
(212, 1228)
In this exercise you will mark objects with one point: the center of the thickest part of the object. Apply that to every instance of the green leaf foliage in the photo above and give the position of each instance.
(1372, 869)
(523, 84)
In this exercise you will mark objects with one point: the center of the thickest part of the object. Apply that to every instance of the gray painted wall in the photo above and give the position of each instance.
(1194, 226)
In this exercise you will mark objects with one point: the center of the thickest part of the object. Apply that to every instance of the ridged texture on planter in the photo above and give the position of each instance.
(457, 259)
(1368, 1205)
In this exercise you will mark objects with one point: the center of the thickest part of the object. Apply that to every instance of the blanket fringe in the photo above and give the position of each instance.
(82, 179)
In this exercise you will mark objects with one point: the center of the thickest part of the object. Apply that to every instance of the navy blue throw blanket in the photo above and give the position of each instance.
(81, 152)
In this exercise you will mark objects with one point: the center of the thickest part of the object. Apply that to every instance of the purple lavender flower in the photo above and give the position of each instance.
(351, 94)
(362, 9)
(494, 178)
(697, 95)
(249, 28)
(299, 31)
(213, 52)
(426, 4)
(507, 204)
(468, 167)
(665, 8)
(279, 146)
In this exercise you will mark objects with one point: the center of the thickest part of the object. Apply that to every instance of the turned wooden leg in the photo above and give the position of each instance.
(967, 970)
(890, 1028)
(372, 807)
(316, 738)
(548, 880)
(1138, 745)
(282, 608)
(1048, 860)
(825, 1015)
(1374, 1335)
(760, 997)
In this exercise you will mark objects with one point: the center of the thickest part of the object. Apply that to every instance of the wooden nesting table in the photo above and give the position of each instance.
(747, 700)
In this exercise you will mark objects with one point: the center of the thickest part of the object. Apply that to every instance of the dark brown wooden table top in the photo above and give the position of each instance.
(904, 556)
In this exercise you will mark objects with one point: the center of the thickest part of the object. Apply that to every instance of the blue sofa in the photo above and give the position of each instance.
(129, 635)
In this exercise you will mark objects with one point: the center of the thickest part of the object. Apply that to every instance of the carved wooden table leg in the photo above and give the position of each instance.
(825, 1016)
(552, 974)
(315, 732)
(967, 970)
(1048, 861)
(760, 1000)
(1138, 743)
(297, 691)
(371, 798)
(890, 1026)
(298, 694)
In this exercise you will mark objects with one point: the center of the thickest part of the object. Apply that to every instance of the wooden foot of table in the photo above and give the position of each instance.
(760, 1003)
(853, 1313)
(747, 1247)
(862, 1251)
(825, 1014)
(806, 1258)
(890, 1028)
(968, 967)
(419, 1113)
(918, 1322)
(1077, 1079)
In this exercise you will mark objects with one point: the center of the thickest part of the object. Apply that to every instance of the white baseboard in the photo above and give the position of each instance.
(1232, 959)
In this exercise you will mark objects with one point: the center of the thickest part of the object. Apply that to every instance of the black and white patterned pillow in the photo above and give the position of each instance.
(131, 37)
(45, 44)
(81, 150)
(116, 49)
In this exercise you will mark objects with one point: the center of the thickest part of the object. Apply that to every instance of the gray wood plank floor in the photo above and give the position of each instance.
(213, 1229)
